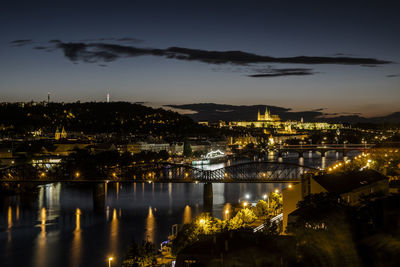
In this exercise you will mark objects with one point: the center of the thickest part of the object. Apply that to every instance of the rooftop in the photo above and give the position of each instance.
(346, 182)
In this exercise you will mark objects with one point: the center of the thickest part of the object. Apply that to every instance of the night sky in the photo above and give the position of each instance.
(338, 55)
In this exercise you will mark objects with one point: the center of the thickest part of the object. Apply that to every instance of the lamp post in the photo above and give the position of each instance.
(109, 261)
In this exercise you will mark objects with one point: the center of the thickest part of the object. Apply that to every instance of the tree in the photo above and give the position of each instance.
(275, 202)
(324, 233)
(271, 228)
(261, 208)
(319, 211)
(140, 256)
(187, 235)
(242, 219)
(187, 149)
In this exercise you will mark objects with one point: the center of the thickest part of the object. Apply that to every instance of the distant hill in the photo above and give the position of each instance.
(92, 117)
(216, 112)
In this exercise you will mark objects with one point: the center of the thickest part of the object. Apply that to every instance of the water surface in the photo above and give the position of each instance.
(59, 226)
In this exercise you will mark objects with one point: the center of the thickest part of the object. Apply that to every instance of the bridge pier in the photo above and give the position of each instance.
(208, 197)
(99, 197)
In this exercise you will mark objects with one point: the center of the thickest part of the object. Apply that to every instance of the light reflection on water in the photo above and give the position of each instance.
(76, 246)
(65, 229)
(114, 232)
(150, 226)
(187, 215)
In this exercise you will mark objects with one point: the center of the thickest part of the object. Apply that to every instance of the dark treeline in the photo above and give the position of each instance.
(97, 117)
(332, 233)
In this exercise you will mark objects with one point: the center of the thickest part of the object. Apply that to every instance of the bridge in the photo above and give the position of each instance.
(249, 172)
(164, 172)
(322, 149)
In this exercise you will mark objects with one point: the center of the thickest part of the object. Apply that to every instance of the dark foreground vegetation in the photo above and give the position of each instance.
(325, 232)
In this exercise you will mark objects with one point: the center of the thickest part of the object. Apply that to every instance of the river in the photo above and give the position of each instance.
(58, 226)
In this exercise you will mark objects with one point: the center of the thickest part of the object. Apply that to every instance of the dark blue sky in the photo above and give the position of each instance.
(279, 29)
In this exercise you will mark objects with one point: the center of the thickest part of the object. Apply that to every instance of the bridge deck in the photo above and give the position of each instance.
(188, 181)
(249, 172)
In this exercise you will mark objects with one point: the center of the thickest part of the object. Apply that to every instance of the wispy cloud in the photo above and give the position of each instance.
(273, 72)
(105, 50)
(21, 42)
(95, 51)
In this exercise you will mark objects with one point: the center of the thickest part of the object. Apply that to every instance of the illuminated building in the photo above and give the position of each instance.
(267, 120)
(60, 135)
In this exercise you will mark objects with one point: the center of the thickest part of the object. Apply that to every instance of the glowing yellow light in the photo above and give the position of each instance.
(226, 211)
(245, 204)
(277, 191)
(43, 174)
(77, 174)
(149, 182)
(114, 174)
(43, 216)
(290, 186)
(202, 221)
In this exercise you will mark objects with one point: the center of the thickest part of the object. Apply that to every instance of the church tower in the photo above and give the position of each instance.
(267, 115)
(63, 133)
(57, 135)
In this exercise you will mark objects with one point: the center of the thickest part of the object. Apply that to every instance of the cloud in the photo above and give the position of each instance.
(343, 54)
(272, 72)
(342, 114)
(129, 40)
(393, 75)
(21, 42)
(95, 51)
(123, 39)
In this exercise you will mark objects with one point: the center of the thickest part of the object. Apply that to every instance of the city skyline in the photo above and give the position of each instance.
(178, 53)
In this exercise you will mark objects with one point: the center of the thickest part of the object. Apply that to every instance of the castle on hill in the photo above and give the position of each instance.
(272, 121)
(267, 116)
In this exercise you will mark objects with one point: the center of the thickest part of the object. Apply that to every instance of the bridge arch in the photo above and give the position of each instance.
(248, 172)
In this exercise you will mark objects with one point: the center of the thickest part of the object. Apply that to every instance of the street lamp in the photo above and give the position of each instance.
(109, 261)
